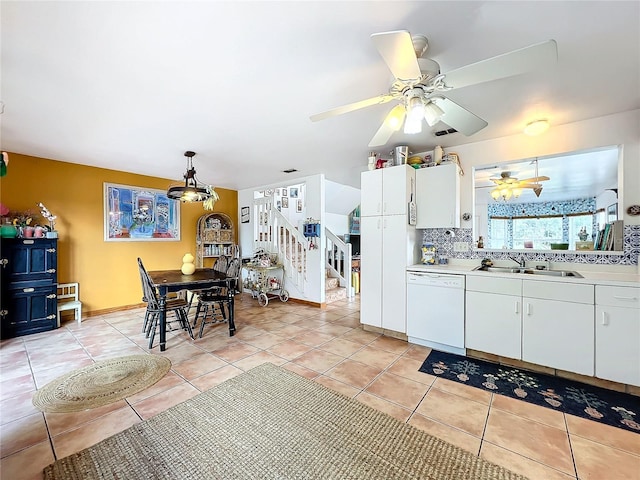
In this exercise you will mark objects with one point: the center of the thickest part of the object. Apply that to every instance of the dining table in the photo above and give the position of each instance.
(168, 281)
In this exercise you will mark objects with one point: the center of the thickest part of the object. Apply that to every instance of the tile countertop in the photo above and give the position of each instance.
(590, 277)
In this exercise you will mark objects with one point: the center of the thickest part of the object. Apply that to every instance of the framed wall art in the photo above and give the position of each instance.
(139, 214)
(244, 215)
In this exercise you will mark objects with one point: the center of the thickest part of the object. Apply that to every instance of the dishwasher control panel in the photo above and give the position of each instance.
(435, 279)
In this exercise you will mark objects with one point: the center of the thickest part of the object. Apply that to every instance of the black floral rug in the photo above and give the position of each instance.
(617, 409)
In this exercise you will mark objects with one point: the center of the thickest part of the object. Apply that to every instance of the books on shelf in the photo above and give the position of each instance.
(610, 237)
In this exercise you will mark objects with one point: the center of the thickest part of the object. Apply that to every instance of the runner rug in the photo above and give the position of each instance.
(617, 409)
(270, 423)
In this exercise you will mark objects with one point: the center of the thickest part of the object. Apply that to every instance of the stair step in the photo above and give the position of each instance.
(331, 282)
(335, 294)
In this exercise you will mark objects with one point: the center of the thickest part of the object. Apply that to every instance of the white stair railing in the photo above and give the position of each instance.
(338, 256)
(274, 233)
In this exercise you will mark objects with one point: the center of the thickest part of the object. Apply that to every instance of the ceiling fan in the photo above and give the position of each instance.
(419, 84)
(507, 185)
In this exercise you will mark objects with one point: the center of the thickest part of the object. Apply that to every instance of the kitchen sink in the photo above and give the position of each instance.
(530, 271)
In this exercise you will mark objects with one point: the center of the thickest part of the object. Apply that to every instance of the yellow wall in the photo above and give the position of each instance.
(107, 271)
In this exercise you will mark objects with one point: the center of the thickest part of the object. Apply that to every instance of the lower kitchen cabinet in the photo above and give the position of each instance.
(618, 334)
(557, 325)
(493, 321)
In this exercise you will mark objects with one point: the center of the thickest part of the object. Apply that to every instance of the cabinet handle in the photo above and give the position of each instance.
(4, 262)
(384, 208)
(4, 313)
(605, 318)
(51, 270)
(28, 242)
(630, 299)
(50, 317)
(53, 295)
(28, 290)
(51, 250)
(517, 307)
(529, 309)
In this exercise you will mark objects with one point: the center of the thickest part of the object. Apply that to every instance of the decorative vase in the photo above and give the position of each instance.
(188, 266)
(8, 230)
(38, 232)
(27, 232)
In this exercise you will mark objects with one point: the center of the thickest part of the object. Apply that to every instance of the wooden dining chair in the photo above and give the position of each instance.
(215, 305)
(177, 306)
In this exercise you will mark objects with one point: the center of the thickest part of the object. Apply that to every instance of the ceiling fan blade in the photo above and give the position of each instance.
(458, 117)
(351, 107)
(535, 179)
(392, 123)
(512, 63)
(398, 53)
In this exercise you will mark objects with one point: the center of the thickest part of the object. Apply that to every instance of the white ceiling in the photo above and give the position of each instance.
(132, 85)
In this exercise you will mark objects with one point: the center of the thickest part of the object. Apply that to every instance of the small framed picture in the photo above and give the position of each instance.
(293, 192)
(299, 206)
(284, 192)
(612, 212)
(244, 214)
(285, 202)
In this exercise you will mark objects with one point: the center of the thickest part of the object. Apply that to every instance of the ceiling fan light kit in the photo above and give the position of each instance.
(537, 127)
(419, 84)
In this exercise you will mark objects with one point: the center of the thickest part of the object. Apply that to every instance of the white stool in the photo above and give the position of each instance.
(68, 300)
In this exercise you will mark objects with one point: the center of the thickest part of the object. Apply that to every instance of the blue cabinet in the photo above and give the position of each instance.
(29, 285)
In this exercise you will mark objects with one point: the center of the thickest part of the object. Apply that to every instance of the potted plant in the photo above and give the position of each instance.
(51, 232)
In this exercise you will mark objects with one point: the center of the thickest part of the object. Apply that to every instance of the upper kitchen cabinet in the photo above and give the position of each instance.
(438, 196)
(387, 191)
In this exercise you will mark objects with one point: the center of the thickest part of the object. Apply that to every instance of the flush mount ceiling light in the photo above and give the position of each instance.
(193, 190)
(536, 127)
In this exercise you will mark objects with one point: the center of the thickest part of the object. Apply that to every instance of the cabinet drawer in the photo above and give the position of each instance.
(504, 286)
(618, 296)
(568, 292)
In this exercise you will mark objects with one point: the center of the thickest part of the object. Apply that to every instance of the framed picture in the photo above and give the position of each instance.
(299, 206)
(612, 212)
(284, 192)
(293, 192)
(285, 202)
(139, 214)
(244, 215)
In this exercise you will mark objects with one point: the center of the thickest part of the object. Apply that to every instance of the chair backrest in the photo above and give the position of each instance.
(148, 291)
(68, 291)
(221, 264)
(233, 271)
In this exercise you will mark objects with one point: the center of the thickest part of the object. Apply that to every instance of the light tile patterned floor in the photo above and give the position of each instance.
(325, 345)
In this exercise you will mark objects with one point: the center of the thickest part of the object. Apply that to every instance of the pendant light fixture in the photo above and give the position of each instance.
(193, 190)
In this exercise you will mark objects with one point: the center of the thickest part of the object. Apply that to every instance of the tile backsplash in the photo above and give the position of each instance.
(444, 242)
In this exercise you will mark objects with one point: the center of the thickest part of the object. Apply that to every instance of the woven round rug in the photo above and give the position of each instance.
(102, 383)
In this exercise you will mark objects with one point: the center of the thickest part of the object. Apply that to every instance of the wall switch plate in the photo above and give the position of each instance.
(460, 247)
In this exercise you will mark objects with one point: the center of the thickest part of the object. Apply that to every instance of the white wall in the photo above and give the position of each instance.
(338, 224)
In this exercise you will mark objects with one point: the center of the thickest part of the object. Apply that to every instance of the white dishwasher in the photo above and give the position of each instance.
(435, 310)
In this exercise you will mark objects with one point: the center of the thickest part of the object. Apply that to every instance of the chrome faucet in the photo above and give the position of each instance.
(521, 262)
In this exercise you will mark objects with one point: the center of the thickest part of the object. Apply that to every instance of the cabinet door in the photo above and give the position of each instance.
(30, 260)
(438, 197)
(371, 193)
(618, 344)
(494, 324)
(558, 334)
(394, 269)
(371, 271)
(397, 184)
(29, 310)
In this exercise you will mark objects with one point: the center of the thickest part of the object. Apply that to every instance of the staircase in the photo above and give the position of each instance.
(338, 272)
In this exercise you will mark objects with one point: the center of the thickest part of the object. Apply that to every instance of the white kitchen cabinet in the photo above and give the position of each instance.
(493, 320)
(387, 246)
(618, 334)
(386, 191)
(438, 196)
(558, 325)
